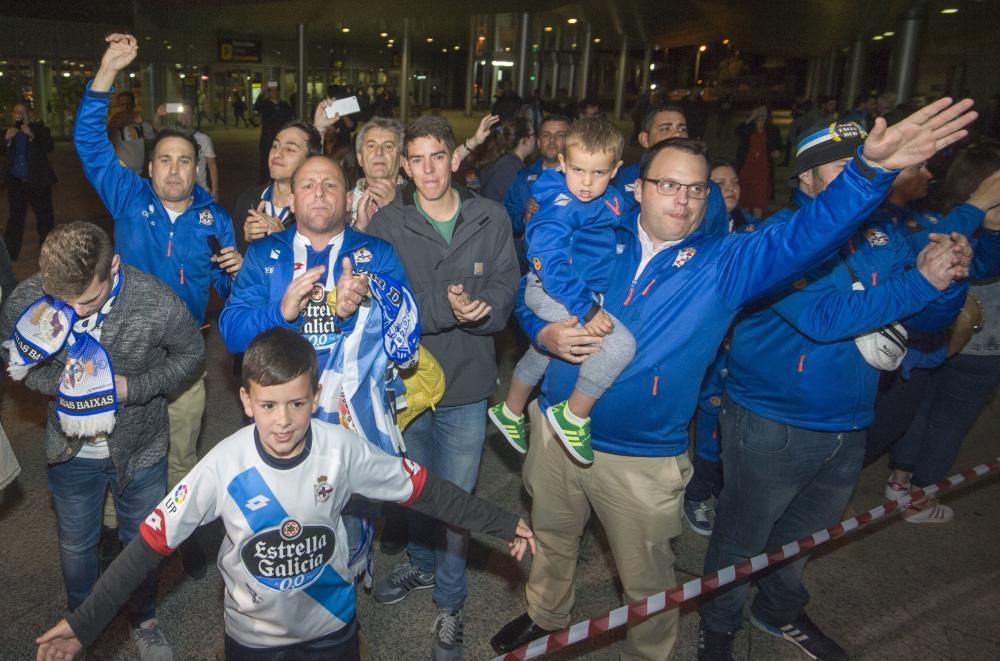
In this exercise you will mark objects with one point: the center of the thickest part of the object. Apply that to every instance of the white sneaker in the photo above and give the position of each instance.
(895, 490)
(928, 511)
(150, 642)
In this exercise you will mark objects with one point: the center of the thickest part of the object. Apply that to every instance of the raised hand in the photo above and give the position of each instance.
(919, 136)
(486, 124)
(320, 120)
(987, 195)
(122, 50)
(351, 289)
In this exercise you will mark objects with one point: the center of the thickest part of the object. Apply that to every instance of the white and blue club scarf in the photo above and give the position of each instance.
(354, 378)
(86, 400)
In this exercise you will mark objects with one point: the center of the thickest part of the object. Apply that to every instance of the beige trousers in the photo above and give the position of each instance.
(638, 501)
(185, 413)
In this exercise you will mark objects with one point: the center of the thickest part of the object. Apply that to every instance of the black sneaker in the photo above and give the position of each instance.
(403, 580)
(715, 645)
(804, 634)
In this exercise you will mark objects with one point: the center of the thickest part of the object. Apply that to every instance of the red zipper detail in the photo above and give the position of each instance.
(651, 283)
(656, 382)
(874, 279)
(630, 291)
(170, 242)
(182, 275)
(802, 363)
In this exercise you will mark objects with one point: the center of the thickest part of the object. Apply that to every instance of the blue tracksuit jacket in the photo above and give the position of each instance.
(794, 360)
(177, 253)
(255, 303)
(683, 302)
(571, 243)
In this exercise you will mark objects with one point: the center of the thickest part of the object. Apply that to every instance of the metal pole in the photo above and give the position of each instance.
(522, 55)
(555, 63)
(907, 55)
(584, 68)
(620, 78)
(300, 96)
(855, 73)
(470, 65)
(647, 59)
(830, 75)
(697, 67)
(404, 75)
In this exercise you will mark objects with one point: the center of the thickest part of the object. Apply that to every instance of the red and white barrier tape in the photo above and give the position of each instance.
(674, 597)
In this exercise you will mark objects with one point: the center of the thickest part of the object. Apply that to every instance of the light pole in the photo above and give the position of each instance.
(697, 62)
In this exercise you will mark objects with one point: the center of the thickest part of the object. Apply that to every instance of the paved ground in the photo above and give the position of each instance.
(897, 591)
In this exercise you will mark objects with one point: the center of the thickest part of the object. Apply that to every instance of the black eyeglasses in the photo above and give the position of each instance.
(669, 187)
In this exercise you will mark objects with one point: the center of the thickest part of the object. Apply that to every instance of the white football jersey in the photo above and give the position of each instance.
(284, 556)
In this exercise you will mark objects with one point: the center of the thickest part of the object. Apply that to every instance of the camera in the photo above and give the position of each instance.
(18, 124)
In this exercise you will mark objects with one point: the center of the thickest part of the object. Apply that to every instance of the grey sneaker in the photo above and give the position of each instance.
(150, 642)
(700, 516)
(448, 632)
(403, 580)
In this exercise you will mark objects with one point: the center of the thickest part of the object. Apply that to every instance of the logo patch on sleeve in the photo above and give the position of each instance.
(876, 238)
(561, 200)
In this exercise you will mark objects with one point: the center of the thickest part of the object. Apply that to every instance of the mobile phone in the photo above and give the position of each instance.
(175, 107)
(343, 107)
(18, 124)
(213, 243)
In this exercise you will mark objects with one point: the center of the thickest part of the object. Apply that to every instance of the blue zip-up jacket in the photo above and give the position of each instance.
(255, 303)
(516, 199)
(715, 220)
(794, 360)
(177, 253)
(570, 243)
(683, 302)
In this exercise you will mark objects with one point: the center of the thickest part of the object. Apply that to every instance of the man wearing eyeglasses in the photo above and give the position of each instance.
(677, 288)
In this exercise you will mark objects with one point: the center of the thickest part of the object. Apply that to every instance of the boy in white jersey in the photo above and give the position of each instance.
(284, 557)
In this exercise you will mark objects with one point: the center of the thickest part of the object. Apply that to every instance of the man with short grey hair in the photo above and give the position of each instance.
(377, 146)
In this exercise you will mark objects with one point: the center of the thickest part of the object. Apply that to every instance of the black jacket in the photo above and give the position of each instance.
(481, 257)
(40, 172)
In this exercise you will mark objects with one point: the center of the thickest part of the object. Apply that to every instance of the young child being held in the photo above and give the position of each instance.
(571, 249)
(279, 485)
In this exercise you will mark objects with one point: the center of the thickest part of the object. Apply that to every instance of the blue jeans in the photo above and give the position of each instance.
(781, 483)
(447, 441)
(78, 487)
(956, 393)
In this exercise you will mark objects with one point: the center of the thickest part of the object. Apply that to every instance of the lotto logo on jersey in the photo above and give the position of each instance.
(154, 530)
(289, 556)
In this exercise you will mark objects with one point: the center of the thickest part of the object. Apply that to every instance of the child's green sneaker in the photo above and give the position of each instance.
(510, 425)
(575, 436)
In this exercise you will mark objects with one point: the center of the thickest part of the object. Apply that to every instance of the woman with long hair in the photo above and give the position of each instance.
(503, 154)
